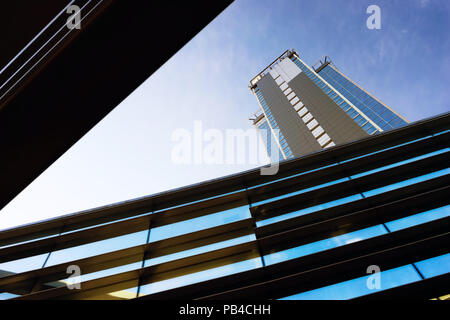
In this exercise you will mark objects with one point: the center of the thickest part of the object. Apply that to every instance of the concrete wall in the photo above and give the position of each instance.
(336, 123)
(297, 135)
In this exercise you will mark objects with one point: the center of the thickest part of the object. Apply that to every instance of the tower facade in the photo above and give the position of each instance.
(304, 110)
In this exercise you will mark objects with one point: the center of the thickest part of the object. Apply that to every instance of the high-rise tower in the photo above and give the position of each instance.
(306, 109)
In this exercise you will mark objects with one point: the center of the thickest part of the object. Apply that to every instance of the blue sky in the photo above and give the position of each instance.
(127, 155)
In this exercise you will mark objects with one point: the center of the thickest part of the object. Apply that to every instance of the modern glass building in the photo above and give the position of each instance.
(312, 231)
(312, 109)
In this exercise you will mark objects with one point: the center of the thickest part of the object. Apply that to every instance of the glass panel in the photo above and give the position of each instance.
(294, 175)
(372, 130)
(7, 295)
(288, 91)
(97, 247)
(295, 100)
(405, 183)
(27, 241)
(307, 117)
(309, 210)
(345, 106)
(200, 223)
(439, 133)
(312, 124)
(322, 185)
(200, 276)
(129, 293)
(123, 219)
(212, 197)
(401, 163)
(122, 294)
(323, 139)
(298, 106)
(283, 86)
(419, 218)
(199, 250)
(302, 111)
(385, 149)
(291, 95)
(110, 271)
(24, 264)
(325, 244)
(279, 80)
(359, 287)
(434, 266)
(359, 119)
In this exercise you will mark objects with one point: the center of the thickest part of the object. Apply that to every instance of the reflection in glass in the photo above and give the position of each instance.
(358, 287)
(434, 266)
(405, 183)
(200, 223)
(325, 244)
(25, 264)
(200, 276)
(301, 212)
(199, 250)
(419, 218)
(98, 247)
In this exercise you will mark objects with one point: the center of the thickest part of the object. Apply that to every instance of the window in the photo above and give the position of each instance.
(302, 111)
(295, 100)
(311, 209)
(200, 223)
(97, 247)
(279, 81)
(323, 139)
(358, 287)
(317, 131)
(325, 244)
(307, 117)
(291, 95)
(288, 91)
(298, 106)
(312, 124)
(283, 86)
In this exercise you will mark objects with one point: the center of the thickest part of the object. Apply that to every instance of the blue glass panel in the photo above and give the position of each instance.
(200, 276)
(309, 210)
(406, 182)
(111, 271)
(401, 163)
(419, 218)
(385, 149)
(200, 200)
(366, 103)
(200, 223)
(301, 191)
(25, 264)
(325, 244)
(439, 133)
(294, 175)
(200, 250)
(7, 295)
(127, 293)
(358, 287)
(27, 241)
(98, 247)
(123, 219)
(434, 266)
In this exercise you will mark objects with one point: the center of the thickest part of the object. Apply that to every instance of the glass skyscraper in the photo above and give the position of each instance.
(312, 109)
